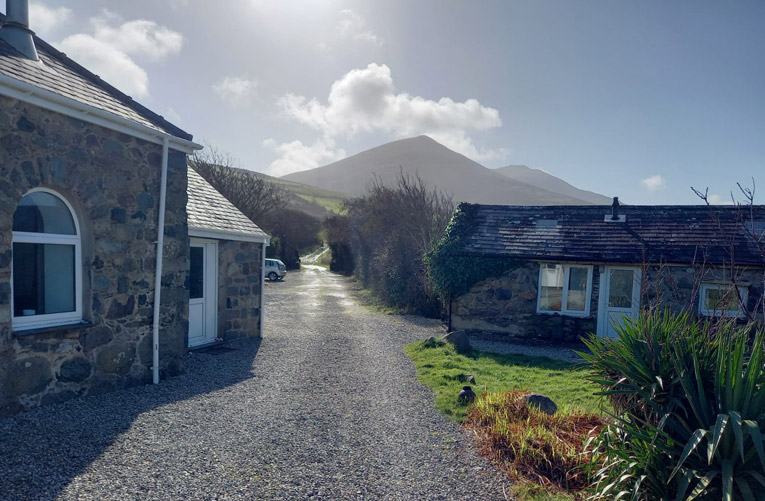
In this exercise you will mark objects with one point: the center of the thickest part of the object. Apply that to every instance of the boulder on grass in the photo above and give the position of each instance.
(467, 395)
(460, 341)
(541, 402)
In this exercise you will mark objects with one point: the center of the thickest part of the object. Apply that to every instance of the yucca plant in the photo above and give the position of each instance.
(690, 400)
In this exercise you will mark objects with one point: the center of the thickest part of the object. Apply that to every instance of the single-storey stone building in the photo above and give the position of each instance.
(102, 240)
(568, 271)
(225, 267)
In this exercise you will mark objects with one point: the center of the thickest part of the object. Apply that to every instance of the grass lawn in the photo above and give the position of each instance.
(522, 441)
(444, 370)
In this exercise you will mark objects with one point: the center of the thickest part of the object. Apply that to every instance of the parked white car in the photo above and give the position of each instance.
(275, 269)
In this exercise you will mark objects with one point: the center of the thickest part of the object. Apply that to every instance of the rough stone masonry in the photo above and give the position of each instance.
(112, 181)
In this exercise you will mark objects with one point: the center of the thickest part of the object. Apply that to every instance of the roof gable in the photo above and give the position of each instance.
(668, 234)
(57, 73)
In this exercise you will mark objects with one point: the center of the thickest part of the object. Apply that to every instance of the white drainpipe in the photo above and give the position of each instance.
(262, 285)
(158, 268)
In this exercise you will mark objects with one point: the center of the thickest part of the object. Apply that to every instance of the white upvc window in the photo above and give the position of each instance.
(716, 300)
(47, 262)
(564, 289)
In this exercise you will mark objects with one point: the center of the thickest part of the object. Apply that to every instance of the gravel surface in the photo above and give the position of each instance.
(326, 406)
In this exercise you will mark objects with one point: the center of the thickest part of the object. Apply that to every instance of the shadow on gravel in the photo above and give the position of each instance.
(42, 450)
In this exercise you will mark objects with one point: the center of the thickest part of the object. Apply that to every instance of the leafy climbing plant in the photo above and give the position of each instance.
(450, 270)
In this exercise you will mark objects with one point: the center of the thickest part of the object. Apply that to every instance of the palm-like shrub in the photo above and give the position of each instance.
(690, 410)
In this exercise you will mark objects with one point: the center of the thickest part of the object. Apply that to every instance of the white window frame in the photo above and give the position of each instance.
(739, 313)
(564, 300)
(52, 319)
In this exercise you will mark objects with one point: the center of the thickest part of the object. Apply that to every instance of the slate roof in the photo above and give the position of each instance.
(667, 234)
(209, 210)
(57, 73)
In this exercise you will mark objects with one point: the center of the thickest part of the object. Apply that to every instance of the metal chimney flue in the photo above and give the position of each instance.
(615, 217)
(15, 30)
(615, 209)
(17, 11)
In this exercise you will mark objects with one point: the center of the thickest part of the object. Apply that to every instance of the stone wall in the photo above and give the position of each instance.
(505, 307)
(112, 180)
(677, 287)
(239, 282)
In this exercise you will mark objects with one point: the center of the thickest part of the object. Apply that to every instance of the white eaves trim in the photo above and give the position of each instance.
(228, 235)
(48, 100)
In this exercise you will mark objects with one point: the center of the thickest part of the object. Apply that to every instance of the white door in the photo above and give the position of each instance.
(619, 297)
(203, 292)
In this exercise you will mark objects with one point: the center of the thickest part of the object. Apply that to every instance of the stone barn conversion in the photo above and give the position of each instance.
(111, 262)
(566, 271)
(225, 270)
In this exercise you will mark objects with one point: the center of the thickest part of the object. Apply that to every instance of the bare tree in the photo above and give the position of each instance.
(250, 192)
(753, 230)
(389, 231)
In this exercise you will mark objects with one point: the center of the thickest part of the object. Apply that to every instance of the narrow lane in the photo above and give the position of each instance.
(326, 406)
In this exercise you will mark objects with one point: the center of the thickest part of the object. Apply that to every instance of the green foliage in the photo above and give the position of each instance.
(440, 367)
(337, 231)
(388, 232)
(443, 369)
(530, 444)
(690, 397)
(295, 231)
(453, 274)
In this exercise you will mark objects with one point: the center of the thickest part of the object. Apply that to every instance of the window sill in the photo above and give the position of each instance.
(52, 328)
(583, 314)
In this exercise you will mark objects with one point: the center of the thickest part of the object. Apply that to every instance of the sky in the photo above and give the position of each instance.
(637, 99)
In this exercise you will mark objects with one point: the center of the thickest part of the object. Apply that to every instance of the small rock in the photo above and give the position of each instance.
(543, 403)
(460, 341)
(432, 342)
(466, 395)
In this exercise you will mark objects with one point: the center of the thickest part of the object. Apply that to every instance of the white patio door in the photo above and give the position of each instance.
(619, 297)
(203, 292)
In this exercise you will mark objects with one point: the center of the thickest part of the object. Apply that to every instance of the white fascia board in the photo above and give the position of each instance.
(51, 101)
(228, 235)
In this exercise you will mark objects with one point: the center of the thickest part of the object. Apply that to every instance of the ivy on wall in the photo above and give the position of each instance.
(451, 272)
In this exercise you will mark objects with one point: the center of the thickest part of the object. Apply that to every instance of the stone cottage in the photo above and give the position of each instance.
(568, 271)
(225, 267)
(93, 223)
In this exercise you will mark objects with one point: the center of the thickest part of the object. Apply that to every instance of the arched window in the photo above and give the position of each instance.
(47, 263)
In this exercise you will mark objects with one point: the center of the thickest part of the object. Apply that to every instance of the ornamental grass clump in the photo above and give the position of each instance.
(530, 445)
(690, 410)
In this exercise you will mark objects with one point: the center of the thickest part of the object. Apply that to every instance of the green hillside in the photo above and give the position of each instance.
(317, 202)
(330, 200)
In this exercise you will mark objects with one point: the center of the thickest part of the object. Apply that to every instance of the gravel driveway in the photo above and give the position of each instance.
(326, 406)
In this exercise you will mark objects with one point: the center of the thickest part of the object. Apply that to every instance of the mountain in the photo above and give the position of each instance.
(438, 166)
(548, 182)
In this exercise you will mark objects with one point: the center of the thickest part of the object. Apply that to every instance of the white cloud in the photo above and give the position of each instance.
(139, 37)
(111, 64)
(654, 183)
(365, 101)
(235, 90)
(110, 50)
(173, 116)
(296, 156)
(719, 200)
(43, 19)
(352, 26)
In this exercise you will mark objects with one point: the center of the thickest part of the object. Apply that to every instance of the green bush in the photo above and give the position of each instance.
(690, 410)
